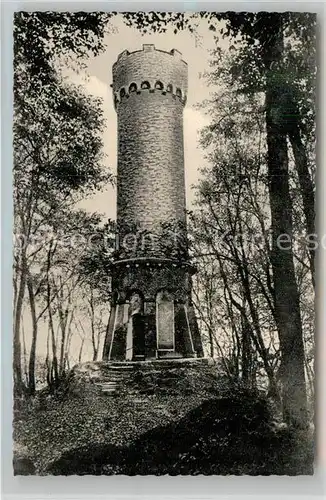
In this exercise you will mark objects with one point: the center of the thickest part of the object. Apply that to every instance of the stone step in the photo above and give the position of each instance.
(108, 387)
(110, 379)
(107, 383)
(122, 367)
(115, 373)
(109, 391)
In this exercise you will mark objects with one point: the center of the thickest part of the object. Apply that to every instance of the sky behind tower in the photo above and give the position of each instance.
(195, 51)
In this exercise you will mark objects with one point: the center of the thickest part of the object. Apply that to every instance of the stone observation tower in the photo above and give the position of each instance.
(152, 316)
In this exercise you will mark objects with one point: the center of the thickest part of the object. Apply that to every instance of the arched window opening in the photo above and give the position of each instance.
(165, 321)
(132, 87)
(136, 326)
(178, 93)
(122, 93)
(169, 88)
(159, 85)
(145, 85)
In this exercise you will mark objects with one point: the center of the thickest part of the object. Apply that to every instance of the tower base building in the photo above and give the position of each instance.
(152, 316)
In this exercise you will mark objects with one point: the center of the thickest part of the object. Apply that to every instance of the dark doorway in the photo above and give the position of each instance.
(138, 329)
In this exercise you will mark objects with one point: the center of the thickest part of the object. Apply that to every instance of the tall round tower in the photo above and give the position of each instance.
(151, 311)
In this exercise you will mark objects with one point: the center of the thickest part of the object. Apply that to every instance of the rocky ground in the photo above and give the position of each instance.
(153, 418)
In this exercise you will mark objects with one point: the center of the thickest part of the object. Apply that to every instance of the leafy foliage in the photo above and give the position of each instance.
(56, 147)
(40, 37)
(233, 434)
(58, 161)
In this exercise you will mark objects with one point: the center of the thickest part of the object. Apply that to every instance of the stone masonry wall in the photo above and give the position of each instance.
(151, 179)
(151, 183)
(150, 280)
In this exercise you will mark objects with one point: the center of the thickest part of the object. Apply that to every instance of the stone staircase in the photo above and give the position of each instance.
(112, 377)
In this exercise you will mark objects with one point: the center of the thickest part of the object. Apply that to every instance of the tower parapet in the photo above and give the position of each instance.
(152, 69)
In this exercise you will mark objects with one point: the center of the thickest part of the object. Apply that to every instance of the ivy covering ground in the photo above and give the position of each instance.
(158, 424)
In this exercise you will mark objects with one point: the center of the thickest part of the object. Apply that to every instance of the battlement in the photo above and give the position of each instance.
(150, 47)
(152, 70)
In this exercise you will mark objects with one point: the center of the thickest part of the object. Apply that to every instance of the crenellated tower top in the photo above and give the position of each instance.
(150, 69)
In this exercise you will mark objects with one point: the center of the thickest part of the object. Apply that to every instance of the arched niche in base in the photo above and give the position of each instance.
(135, 344)
(165, 321)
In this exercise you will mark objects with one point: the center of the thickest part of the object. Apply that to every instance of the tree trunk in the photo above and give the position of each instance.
(54, 346)
(307, 190)
(51, 326)
(211, 342)
(287, 306)
(32, 356)
(24, 354)
(68, 342)
(245, 352)
(63, 328)
(92, 319)
(17, 368)
(81, 351)
(47, 360)
(254, 329)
